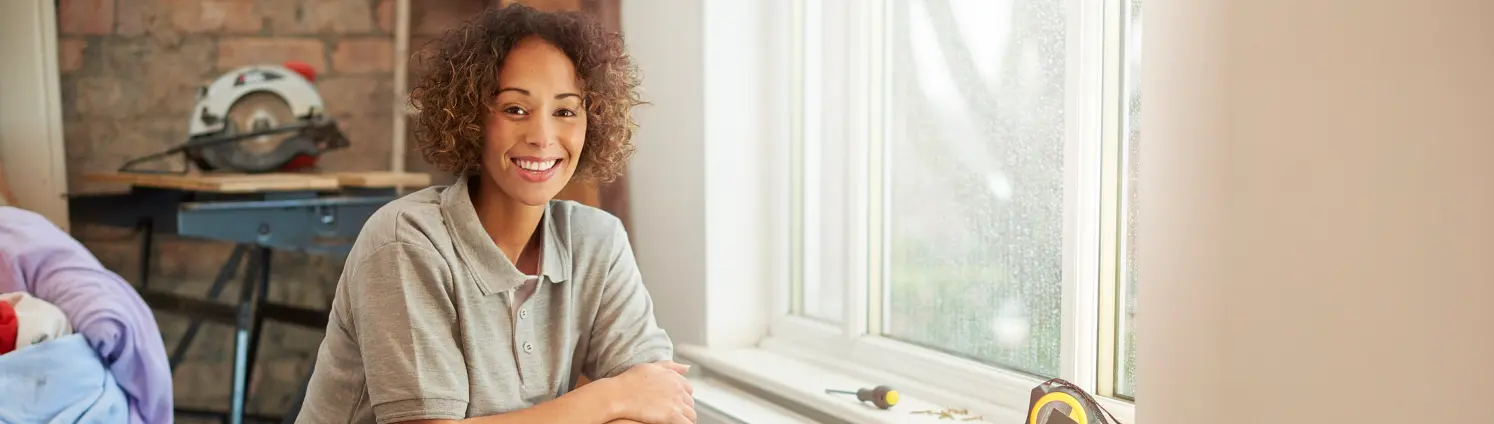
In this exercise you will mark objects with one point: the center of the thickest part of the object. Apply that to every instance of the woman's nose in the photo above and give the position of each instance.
(541, 134)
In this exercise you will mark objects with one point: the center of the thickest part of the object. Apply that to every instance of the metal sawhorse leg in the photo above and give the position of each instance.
(248, 318)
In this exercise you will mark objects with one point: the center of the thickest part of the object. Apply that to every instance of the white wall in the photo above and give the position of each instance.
(1317, 219)
(31, 146)
(666, 177)
(700, 178)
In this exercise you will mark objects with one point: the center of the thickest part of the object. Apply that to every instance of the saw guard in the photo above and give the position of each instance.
(214, 100)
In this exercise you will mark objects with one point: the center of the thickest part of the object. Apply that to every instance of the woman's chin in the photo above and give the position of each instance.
(530, 193)
(532, 196)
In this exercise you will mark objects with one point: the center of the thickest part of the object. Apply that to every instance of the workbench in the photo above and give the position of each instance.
(311, 213)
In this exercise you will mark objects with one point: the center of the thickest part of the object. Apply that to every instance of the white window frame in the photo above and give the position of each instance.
(853, 343)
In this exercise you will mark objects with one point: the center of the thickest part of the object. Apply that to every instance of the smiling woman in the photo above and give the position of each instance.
(485, 301)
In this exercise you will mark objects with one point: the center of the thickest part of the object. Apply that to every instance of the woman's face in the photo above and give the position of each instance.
(535, 134)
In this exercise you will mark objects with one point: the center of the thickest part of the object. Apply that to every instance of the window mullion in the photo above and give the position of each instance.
(877, 89)
(792, 300)
(1111, 229)
(1083, 133)
(859, 283)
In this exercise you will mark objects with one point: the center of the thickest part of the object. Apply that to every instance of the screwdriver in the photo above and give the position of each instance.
(881, 396)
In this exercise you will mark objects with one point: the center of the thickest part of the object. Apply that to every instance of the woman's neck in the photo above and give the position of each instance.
(512, 225)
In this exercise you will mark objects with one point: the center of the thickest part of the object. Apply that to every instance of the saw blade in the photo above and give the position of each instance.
(257, 112)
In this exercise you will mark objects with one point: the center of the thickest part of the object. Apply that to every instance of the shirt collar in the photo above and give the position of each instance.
(494, 272)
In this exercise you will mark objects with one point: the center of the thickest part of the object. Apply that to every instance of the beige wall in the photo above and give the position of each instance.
(1318, 225)
(31, 146)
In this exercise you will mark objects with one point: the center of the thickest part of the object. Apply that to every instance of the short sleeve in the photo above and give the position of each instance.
(625, 333)
(406, 329)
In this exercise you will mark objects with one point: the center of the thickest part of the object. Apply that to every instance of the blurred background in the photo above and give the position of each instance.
(943, 195)
(129, 71)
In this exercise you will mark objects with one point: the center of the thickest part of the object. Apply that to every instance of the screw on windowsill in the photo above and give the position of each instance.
(950, 413)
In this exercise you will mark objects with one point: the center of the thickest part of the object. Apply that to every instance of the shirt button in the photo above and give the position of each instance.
(528, 347)
(523, 313)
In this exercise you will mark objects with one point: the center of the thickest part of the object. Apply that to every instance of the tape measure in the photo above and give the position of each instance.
(1060, 402)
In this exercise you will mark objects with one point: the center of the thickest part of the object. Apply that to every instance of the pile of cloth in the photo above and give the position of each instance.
(83, 345)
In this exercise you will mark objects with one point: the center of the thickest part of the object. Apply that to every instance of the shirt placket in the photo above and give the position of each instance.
(526, 346)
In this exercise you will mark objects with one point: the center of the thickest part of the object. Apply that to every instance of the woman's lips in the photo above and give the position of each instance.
(535, 170)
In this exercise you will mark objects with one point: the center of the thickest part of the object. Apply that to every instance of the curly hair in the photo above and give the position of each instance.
(460, 85)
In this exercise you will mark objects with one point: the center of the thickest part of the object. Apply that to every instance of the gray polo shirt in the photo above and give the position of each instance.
(425, 326)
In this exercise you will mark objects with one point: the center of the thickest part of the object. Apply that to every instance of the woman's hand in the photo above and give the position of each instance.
(654, 393)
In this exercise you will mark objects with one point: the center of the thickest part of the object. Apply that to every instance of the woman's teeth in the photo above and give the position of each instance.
(537, 165)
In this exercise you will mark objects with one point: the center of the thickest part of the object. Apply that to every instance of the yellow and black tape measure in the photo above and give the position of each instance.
(1059, 402)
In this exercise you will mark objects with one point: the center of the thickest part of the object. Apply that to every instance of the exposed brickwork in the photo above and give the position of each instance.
(130, 70)
(85, 17)
(70, 54)
(364, 55)
(236, 52)
(318, 16)
(434, 17)
(216, 17)
(385, 16)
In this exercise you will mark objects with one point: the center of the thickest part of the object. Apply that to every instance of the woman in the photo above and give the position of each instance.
(484, 301)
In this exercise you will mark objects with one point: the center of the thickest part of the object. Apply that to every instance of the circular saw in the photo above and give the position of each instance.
(254, 119)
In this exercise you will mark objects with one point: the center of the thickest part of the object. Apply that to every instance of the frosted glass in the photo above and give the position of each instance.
(976, 179)
(1126, 381)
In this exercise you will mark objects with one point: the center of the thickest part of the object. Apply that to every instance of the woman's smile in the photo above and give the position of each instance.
(535, 169)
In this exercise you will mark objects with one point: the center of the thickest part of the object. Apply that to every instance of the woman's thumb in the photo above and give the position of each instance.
(676, 367)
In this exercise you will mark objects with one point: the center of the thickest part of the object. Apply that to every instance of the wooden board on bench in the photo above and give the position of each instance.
(259, 183)
(383, 179)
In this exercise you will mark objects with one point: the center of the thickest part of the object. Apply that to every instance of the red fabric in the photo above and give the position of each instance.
(8, 327)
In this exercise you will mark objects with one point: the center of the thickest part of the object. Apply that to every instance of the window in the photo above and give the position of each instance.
(1131, 53)
(963, 189)
(974, 180)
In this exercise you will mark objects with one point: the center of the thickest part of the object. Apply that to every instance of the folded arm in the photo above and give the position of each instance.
(589, 404)
(406, 330)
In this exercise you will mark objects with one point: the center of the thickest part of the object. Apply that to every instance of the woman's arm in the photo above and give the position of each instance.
(625, 333)
(653, 393)
(589, 404)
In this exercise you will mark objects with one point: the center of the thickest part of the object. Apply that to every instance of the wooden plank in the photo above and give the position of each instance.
(384, 179)
(223, 183)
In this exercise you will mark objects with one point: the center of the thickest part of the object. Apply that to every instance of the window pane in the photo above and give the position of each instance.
(975, 178)
(1127, 379)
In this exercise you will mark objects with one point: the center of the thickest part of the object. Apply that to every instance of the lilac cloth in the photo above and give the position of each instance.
(39, 258)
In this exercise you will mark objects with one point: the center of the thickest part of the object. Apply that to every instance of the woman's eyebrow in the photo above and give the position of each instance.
(517, 90)
(526, 93)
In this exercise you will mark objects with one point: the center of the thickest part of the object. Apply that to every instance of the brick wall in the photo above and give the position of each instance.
(129, 72)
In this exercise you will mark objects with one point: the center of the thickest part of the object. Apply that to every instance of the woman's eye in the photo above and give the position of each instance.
(515, 110)
(565, 113)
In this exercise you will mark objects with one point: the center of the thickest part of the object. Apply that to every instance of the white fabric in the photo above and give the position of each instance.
(37, 321)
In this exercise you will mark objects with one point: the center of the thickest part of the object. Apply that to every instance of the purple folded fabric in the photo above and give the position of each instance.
(39, 258)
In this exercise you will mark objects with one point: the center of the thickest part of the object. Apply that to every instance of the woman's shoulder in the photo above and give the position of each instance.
(411, 220)
(585, 228)
(576, 218)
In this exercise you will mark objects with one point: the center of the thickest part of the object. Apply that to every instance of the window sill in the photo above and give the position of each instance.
(799, 386)
(718, 402)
